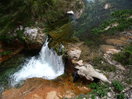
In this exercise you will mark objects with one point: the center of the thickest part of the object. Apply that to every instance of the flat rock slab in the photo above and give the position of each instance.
(116, 42)
(105, 48)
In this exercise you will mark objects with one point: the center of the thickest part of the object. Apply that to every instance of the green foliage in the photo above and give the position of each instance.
(125, 56)
(5, 53)
(100, 90)
(90, 42)
(101, 64)
(95, 14)
(117, 86)
(121, 96)
(8, 67)
(122, 13)
(27, 13)
(93, 97)
(61, 34)
(121, 17)
(8, 37)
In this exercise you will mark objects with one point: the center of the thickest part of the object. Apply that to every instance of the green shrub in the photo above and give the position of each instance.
(117, 86)
(120, 17)
(97, 62)
(122, 13)
(93, 97)
(5, 53)
(121, 96)
(39, 13)
(125, 56)
(89, 42)
(100, 90)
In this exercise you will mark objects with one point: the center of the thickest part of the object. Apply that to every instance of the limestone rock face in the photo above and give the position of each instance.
(31, 32)
(34, 37)
(90, 73)
(105, 48)
(80, 62)
(108, 57)
(74, 53)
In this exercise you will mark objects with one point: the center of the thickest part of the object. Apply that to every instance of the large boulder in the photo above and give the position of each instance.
(34, 37)
(74, 53)
(90, 73)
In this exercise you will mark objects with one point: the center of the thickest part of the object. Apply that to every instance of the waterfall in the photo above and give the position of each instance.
(47, 65)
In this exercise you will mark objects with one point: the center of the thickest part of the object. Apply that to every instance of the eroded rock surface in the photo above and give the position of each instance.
(90, 73)
(74, 53)
(34, 37)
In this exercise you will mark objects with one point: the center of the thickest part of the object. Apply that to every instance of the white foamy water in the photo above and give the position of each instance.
(48, 66)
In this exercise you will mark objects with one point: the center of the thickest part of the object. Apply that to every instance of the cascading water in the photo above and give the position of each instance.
(48, 66)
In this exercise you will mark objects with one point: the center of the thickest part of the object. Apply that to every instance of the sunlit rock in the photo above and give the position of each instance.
(31, 32)
(90, 73)
(107, 6)
(116, 42)
(111, 26)
(69, 94)
(108, 58)
(113, 51)
(34, 37)
(105, 48)
(80, 62)
(130, 17)
(70, 12)
(74, 53)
